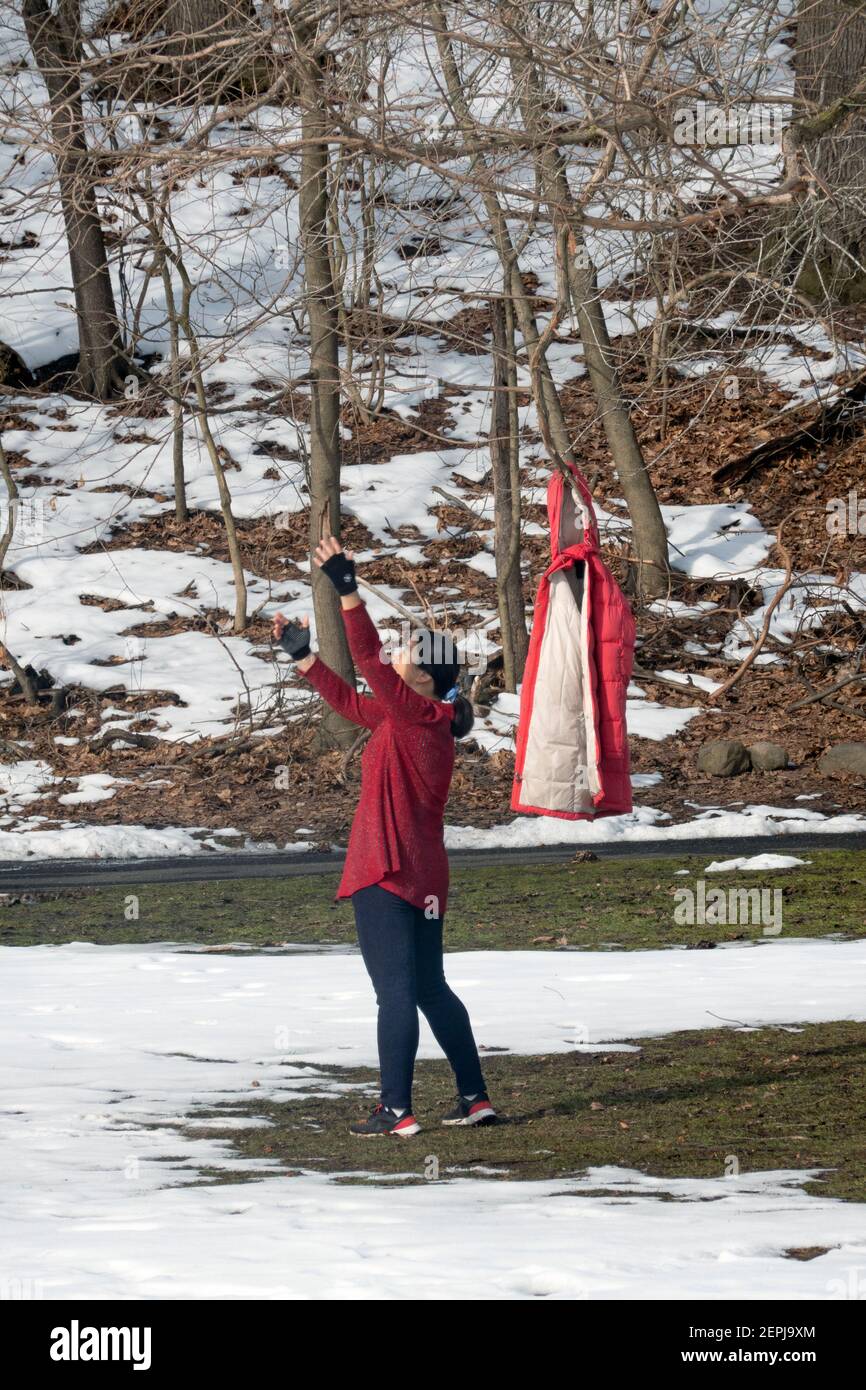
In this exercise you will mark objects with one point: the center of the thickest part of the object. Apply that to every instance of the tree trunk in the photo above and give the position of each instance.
(650, 537)
(234, 545)
(54, 40)
(205, 65)
(325, 454)
(547, 400)
(27, 686)
(651, 573)
(181, 509)
(830, 63)
(505, 464)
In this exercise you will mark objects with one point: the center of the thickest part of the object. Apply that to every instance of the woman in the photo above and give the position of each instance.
(396, 870)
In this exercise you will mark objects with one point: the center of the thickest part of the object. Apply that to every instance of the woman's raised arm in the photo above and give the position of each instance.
(392, 693)
(358, 709)
(294, 638)
(397, 698)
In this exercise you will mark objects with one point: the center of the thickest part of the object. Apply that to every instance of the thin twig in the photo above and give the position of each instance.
(771, 608)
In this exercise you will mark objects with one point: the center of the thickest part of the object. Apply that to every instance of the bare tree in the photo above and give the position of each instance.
(831, 86)
(547, 398)
(204, 427)
(55, 39)
(650, 537)
(322, 318)
(8, 515)
(505, 466)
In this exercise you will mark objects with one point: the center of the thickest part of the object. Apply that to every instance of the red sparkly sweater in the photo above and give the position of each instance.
(397, 834)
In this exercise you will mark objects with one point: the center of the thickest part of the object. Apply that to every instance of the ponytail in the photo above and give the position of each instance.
(463, 718)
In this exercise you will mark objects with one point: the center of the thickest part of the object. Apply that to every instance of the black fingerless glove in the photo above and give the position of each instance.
(341, 572)
(296, 641)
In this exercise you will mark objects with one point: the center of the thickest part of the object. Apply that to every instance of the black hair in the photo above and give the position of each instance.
(443, 667)
(464, 717)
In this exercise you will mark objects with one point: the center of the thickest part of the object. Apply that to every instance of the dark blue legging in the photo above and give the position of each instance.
(402, 951)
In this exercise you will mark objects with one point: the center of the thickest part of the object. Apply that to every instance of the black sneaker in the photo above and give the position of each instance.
(384, 1121)
(471, 1112)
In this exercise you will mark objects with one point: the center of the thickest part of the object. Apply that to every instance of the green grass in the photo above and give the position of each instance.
(627, 903)
(685, 1105)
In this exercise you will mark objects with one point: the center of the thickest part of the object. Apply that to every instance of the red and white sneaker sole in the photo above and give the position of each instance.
(404, 1129)
(480, 1114)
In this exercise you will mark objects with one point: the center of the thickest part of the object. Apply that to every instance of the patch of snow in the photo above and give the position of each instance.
(93, 786)
(78, 841)
(484, 562)
(756, 861)
(648, 719)
(646, 823)
(23, 782)
(106, 1051)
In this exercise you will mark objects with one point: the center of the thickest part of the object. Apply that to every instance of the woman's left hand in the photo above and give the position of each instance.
(294, 638)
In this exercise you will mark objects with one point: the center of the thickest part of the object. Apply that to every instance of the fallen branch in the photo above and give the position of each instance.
(394, 603)
(823, 694)
(831, 419)
(123, 736)
(646, 675)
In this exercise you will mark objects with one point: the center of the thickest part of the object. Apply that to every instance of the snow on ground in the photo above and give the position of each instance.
(756, 861)
(103, 1050)
(24, 782)
(74, 840)
(715, 540)
(649, 719)
(80, 643)
(646, 823)
(27, 838)
(307, 1238)
(811, 600)
(93, 786)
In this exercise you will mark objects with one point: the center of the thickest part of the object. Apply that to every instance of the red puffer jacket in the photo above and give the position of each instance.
(572, 744)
